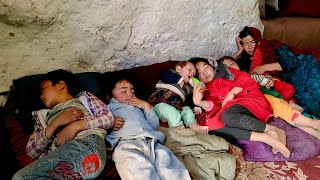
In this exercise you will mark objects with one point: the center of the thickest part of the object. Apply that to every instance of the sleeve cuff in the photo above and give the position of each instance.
(264, 81)
(210, 107)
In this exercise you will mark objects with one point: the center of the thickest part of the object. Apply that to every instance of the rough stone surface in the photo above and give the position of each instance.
(106, 35)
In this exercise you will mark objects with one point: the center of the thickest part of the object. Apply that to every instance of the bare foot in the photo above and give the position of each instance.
(274, 135)
(199, 129)
(281, 134)
(277, 145)
(271, 141)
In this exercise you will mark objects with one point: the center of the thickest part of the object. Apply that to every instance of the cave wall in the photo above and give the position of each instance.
(107, 35)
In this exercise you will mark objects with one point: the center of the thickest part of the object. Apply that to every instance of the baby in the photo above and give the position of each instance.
(172, 97)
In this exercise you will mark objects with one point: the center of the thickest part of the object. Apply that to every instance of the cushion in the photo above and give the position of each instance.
(301, 145)
(302, 8)
(91, 81)
(27, 93)
(296, 32)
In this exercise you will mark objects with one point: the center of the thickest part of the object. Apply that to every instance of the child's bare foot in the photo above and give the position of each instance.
(271, 141)
(279, 147)
(199, 129)
(180, 126)
(276, 136)
(280, 134)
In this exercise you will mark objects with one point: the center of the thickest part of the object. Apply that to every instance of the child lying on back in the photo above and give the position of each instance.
(138, 152)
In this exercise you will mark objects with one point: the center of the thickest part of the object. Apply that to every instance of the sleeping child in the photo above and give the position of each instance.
(282, 109)
(237, 108)
(138, 150)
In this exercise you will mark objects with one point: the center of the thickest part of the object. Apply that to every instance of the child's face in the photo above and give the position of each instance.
(187, 72)
(123, 91)
(248, 44)
(49, 93)
(231, 63)
(205, 71)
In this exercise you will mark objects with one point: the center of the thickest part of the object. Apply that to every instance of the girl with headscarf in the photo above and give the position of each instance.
(251, 48)
(257, 55)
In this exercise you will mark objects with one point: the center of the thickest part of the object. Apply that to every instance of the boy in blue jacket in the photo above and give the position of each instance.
(138, 152)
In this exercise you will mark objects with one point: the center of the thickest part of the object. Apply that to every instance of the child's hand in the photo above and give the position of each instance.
(236, 90)
(68, 116)
(197, 110)
(134, 101)
(238, 42)
(197, 94)
(269, 83)
(231, 95)
(69, 132)
(118, 123)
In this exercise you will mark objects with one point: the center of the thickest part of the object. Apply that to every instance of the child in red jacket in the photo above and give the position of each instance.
(237, 108)
(249, 56)
(282, 109)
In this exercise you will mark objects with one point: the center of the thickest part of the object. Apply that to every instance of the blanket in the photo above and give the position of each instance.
(204, 155)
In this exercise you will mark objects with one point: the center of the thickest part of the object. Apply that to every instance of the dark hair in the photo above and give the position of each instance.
(112, 83)
(245, 32)
(195, 60)
(68, 77)
(225, 57)
(244, 60)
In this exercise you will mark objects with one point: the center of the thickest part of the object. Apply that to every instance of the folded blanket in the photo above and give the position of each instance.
(203, 155)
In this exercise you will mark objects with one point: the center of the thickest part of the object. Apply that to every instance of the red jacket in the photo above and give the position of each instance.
(285, 89)
(251, 97)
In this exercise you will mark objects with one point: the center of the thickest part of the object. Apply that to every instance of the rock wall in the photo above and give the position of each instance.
(106, 35)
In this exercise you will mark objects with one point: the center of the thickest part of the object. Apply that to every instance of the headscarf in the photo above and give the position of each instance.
(256, 34)
(267, 47)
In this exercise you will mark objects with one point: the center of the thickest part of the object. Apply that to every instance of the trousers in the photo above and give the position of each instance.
(77, 159)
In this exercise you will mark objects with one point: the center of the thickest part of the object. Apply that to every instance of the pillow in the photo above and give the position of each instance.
(301, 145)
(296, 32)
(27, 96)
(302, 8)
(91, 81)
(27, 93)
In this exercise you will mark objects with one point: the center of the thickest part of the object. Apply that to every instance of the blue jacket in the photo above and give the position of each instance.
(138, 123)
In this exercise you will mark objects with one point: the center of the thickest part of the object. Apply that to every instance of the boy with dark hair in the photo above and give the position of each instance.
(69, 136)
